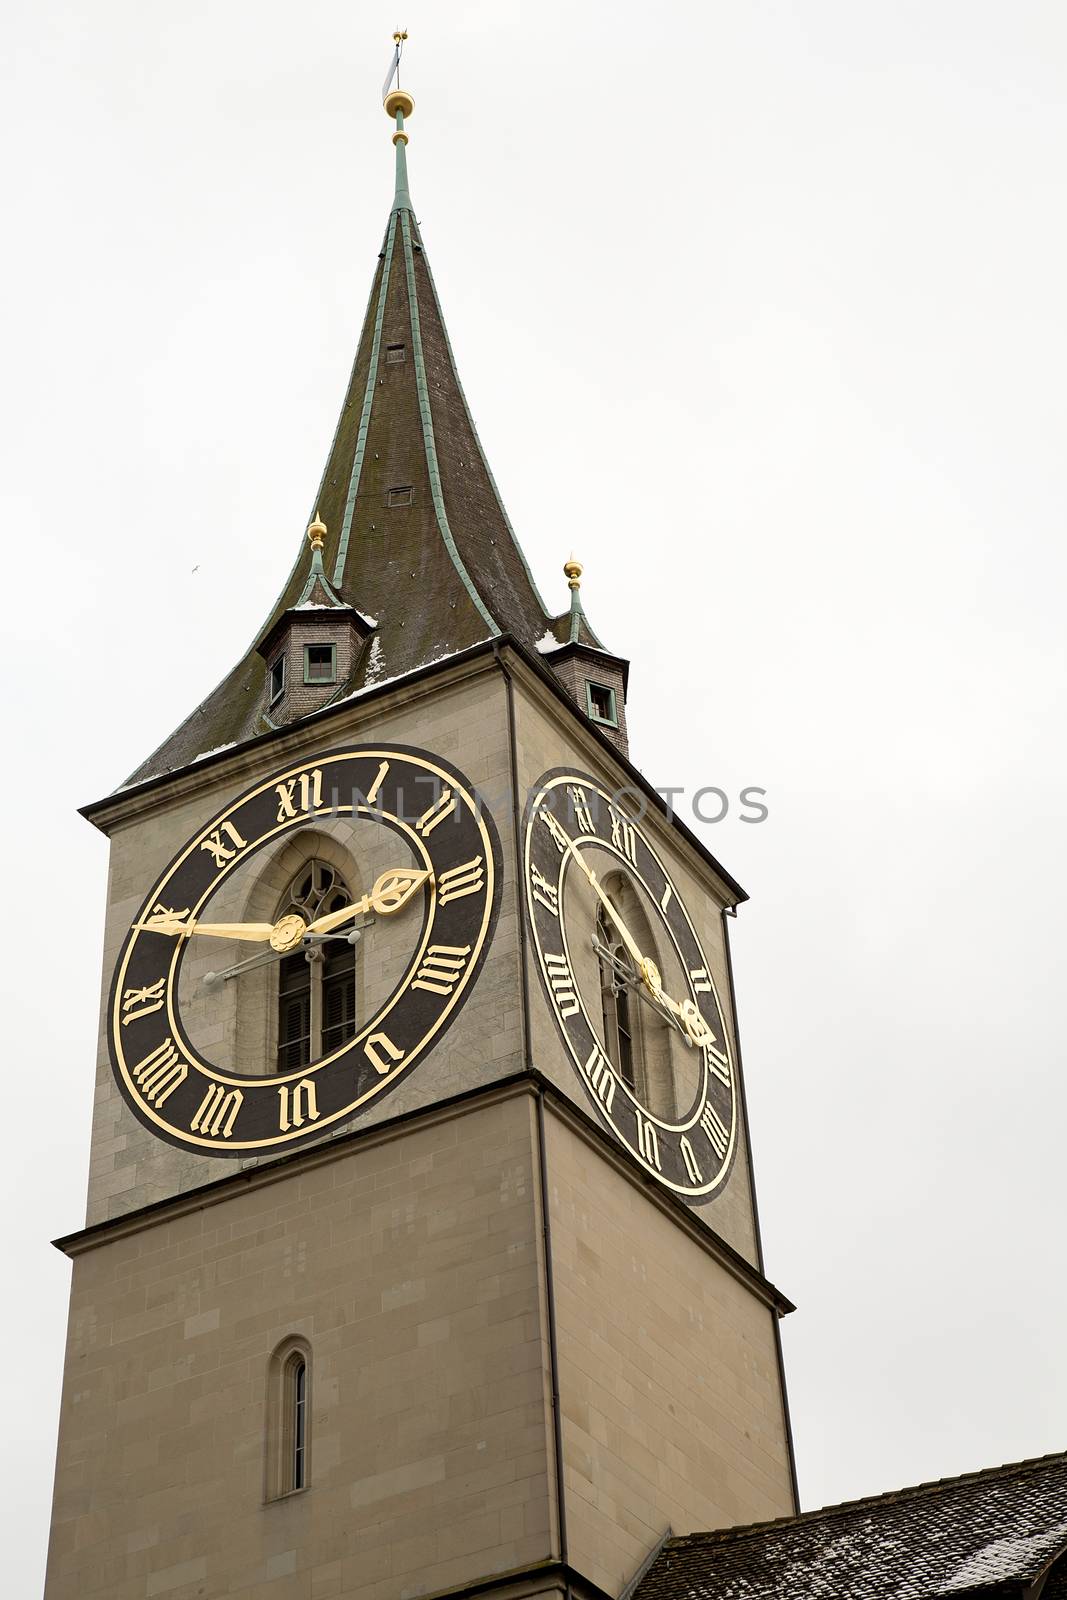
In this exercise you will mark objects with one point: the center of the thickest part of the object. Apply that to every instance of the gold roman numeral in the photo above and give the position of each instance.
(442, 807)
(582, 814)
(560, 837)
(462, 880)
(298, 1105)
(692, 1166)
(138, 1003)
(648, 1141)
(601, 1078)
(302, 793)
(223, 850)
(544, 892)
(441, 968)
(373, 1050)
(624, 836)
(698, 976)
(217, 1111)
(561, 981)
(160, 1073)
(719, 1065)
(716, 1129)
(372, 792)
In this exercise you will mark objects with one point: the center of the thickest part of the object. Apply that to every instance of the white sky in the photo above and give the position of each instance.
(760, 308)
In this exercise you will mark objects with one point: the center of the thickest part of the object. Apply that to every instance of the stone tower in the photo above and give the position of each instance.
(421, 1254)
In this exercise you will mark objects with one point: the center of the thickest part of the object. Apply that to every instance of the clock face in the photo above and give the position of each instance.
(629, 985)
(422, 925)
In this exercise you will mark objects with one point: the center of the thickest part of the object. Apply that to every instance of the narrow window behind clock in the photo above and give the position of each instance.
(294, 1013)
(317, 986)
(338, 995)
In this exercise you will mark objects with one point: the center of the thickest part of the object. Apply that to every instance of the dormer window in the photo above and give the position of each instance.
(394, 352)
(401, 496)
(320, 663)
(600, 703)
(277, 679)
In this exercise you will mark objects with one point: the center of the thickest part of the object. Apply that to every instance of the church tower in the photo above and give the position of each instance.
(421, 1254)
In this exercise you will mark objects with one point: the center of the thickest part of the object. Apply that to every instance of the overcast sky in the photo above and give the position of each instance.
(760, 308)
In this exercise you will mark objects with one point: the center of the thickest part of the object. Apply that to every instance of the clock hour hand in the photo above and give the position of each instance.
(179, 924)
(625, 974)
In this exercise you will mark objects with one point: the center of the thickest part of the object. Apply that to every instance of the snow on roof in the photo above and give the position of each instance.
(956, 1537)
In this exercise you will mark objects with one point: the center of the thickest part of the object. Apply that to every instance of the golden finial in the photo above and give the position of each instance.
(573, 571)
(316, 532)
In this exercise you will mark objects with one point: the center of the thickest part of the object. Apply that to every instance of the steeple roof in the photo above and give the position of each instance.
(416, 538)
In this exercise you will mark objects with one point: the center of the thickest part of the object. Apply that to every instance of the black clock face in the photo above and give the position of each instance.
(442, 888)
(629, 985)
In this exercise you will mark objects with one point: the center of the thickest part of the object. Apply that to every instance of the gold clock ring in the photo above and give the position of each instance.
(287, 933)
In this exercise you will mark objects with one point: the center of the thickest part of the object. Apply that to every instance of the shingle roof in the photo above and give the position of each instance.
(984, 1534)
(417, 535)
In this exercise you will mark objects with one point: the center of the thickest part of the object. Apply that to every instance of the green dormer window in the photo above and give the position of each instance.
(320, 663)
(277, 679)
(600, 703)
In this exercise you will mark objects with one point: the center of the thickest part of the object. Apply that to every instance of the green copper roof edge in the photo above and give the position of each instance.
(576, 617)
(317, 575)
(478, 442)
(429, 444)
(368, 401)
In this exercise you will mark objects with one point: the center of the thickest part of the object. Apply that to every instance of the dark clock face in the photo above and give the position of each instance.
(628, 984)
(431, 904)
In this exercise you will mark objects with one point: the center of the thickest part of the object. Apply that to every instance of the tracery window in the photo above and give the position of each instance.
(316, 987)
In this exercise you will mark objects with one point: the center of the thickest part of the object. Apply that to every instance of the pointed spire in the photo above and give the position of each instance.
(573, 571)
(316, 576)
(409, 524)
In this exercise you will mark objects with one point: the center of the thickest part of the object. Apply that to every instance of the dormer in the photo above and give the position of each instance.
(312, 648)
(592, 676)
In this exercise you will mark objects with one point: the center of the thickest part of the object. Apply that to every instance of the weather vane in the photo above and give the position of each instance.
(399, 38)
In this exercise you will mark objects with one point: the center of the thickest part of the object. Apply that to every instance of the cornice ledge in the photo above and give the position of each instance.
(527, 1081)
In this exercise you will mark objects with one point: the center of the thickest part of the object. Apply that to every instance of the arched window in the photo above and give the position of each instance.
(316, 987)
(288, 1418)
(622, 1037)
(635, 1037)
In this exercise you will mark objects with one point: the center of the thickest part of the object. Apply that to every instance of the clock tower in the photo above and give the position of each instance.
(421, 1253)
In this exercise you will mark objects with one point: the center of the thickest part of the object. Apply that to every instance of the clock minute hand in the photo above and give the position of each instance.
(561, 835)
(391, 893)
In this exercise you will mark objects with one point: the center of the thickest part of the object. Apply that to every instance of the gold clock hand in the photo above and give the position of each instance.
(179, 924)
(634, 980)
(564, 838)
(391, 893)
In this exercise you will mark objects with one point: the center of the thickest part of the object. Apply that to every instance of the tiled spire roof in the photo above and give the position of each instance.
(416, 534)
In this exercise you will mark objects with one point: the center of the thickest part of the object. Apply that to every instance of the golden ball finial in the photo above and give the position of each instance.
(573, 571)
(316, 533)
(398, 100)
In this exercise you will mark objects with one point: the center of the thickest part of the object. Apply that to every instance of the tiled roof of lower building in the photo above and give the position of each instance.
(992, 1533)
